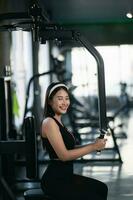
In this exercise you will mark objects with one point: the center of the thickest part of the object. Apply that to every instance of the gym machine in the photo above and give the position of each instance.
(50, 33)
(9, 147)
(32, 79)
(42, 30)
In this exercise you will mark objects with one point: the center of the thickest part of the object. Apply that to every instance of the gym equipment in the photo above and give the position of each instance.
(36, 76)
(42, 31)
(9, 147)
(81, 119)
(25, 147)
(32, 79)
(36, 194)
(6, 116)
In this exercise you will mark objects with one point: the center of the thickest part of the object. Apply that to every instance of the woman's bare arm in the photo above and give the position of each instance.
(52, 132)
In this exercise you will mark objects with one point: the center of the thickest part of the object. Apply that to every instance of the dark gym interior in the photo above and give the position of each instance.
(88, 45)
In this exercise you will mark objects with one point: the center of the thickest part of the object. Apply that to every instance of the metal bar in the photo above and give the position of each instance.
(101, 82)
(31, 147)
(7, 189)
(3, 114)
(35, 76)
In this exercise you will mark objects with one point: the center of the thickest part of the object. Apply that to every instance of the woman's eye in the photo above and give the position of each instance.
(67, 99)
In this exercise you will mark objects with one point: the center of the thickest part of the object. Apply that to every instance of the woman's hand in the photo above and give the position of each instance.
(100, 144)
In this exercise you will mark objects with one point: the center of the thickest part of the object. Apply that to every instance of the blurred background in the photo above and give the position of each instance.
(32, 56)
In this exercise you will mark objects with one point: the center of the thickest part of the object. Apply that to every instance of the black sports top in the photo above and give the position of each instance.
(57, 169)
(68, 139)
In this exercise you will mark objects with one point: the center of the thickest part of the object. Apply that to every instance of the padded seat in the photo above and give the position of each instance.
(36, 194)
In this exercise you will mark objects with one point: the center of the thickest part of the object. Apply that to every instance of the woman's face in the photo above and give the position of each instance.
(60, 102)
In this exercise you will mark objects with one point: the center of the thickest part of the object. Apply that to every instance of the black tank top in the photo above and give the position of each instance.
(57, 169)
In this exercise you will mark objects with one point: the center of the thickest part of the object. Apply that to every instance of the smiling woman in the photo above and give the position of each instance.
(60, 144)
(60, 102)
(56, 96)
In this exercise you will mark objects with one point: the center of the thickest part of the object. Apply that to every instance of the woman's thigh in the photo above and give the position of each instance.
(78, 189)
(91, 187)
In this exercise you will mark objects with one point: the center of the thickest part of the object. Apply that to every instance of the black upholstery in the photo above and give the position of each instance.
(36, 194)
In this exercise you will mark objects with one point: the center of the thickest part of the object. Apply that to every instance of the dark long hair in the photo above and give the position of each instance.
(48, 111)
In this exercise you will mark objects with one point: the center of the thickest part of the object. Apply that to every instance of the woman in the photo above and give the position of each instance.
(58, 180)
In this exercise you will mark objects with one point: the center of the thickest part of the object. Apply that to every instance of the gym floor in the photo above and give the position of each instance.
(118, 176)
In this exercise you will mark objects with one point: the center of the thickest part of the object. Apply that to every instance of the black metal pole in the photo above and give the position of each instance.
(32, 79)
(101, 82)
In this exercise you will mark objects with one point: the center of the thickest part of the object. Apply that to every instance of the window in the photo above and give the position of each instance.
(118, 62)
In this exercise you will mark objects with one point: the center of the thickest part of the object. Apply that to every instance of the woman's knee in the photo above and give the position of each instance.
(105, 191)
(105, 187)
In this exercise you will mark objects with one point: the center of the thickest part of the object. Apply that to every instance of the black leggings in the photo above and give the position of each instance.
(80, 188)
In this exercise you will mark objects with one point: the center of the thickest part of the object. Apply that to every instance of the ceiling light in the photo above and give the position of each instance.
(61, 58)
(129, 15)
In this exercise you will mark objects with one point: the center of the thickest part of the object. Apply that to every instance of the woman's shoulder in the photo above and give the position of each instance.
(47, 124)
(48, 121)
